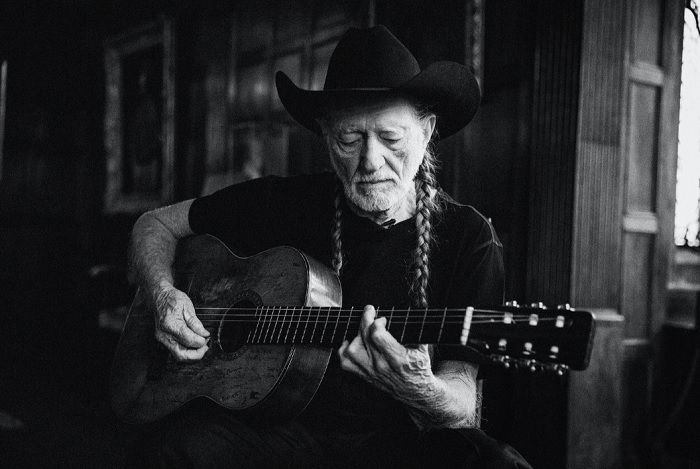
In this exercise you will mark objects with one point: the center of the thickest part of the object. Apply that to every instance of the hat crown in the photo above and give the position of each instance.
(370, 58)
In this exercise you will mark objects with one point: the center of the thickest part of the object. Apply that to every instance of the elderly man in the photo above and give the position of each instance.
(393, 237)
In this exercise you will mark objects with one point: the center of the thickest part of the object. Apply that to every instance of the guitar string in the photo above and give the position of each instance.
(429, 322)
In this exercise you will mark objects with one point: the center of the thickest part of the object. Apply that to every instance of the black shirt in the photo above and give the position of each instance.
(466, 267)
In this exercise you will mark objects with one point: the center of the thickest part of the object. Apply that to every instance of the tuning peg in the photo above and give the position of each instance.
(553, 352)
(512, 303)
(559, 370)
(538, 304)
(533, 366)
(504, 360)
(565, 306)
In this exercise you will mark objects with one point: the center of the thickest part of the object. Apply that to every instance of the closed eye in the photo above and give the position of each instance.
(348, 143)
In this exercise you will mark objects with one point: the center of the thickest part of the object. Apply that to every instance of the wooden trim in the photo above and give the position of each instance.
(636, 342)
(640, 222)
(646, 73)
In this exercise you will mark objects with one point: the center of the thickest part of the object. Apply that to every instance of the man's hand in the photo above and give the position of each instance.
(445, 400)
(177, 326)
(376, 356)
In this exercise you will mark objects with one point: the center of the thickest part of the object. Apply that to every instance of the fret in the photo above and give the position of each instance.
(442, 325)
(323, 334)
(257, 324)
(335, 328)
(296, 326)
(347, 325)
(263, 314)
(422, 326)
(403, 331)
(271, 333)
(391, 315)
(290, 324)
(264, 326)
(279, 333)
(313, 332)
(306, 324)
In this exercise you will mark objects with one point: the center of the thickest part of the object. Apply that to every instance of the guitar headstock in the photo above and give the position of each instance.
(534, 337)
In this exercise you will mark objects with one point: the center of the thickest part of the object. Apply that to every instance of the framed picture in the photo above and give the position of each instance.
(140, 119)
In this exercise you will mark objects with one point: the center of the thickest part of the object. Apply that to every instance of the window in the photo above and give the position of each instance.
(688, 173)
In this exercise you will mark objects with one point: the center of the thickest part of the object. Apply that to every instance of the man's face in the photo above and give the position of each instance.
(376, 151)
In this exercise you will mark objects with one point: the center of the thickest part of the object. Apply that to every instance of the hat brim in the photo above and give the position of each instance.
(448, 88)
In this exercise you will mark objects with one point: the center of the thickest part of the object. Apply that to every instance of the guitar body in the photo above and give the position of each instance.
(274, 381)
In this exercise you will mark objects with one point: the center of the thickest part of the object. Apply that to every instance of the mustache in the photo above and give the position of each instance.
(372, 178)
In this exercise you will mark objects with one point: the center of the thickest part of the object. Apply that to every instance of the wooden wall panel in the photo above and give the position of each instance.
(595, 276)
(642, 147)
(594, 435)
(600, 383)
(646, 39)
(636, 389)
(553, 147)
(650, 143)
(596, 248)
(638, 256)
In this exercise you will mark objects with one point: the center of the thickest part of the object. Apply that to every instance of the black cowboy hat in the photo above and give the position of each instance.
(372, 61)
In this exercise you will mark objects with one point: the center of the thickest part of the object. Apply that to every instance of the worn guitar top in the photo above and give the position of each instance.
(466, 269)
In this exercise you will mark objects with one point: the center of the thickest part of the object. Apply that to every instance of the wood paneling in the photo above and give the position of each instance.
(555, 103)
(642, 147)
(596, 247)
(650, 143)
(638, 254)
(636, 398)
(596, 396)
(646, 30)
(595, 276)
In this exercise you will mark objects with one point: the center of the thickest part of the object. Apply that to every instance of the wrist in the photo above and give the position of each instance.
(158, 288)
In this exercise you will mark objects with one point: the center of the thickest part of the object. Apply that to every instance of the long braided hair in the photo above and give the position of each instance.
(428, 205)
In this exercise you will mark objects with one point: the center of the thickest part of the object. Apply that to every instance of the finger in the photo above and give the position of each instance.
(179, 352)
(385, 345)
(183, 334)
(347, 362)
(190, 354)
(192, 320)
(368, 316)
(356, 352)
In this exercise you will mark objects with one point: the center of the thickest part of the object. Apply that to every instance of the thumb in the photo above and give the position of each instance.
(193, 321)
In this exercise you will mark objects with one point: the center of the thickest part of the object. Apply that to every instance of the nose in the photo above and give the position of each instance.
(371, 159)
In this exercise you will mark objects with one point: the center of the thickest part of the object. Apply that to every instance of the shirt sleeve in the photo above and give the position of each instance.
(244, 216)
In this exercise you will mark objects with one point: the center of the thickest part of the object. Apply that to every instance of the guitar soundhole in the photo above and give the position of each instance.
(235, 326)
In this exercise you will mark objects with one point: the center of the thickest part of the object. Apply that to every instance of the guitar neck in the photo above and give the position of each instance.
(327, 326)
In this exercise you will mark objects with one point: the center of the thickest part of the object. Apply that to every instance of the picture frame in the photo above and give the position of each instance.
(139, 122)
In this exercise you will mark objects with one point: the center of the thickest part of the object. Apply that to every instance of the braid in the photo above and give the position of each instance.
(426, 207)
(337, 248)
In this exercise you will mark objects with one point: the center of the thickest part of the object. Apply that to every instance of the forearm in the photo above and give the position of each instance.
(153, 242)
(449, 399)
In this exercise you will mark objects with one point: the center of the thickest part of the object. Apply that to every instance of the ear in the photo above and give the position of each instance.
(428, 128)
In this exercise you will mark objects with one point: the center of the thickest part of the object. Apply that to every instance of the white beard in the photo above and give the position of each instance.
(372, 201)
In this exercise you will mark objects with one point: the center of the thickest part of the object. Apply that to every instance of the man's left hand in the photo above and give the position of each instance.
(376, 356)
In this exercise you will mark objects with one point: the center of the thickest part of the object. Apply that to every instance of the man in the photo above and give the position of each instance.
(393, 237)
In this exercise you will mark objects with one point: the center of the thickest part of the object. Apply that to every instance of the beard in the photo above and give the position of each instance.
(375, 198)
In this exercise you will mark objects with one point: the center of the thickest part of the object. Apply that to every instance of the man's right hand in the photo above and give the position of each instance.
(177, 325)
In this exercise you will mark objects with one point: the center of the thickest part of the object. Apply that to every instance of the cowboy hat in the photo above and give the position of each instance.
(370, 62)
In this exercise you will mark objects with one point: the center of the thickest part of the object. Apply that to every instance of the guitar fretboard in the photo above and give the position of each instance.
(328, 326)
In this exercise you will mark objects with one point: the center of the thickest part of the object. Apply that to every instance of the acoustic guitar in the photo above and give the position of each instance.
(274, 320)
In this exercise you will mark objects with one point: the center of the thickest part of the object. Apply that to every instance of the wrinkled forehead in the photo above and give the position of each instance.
(387, 111)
